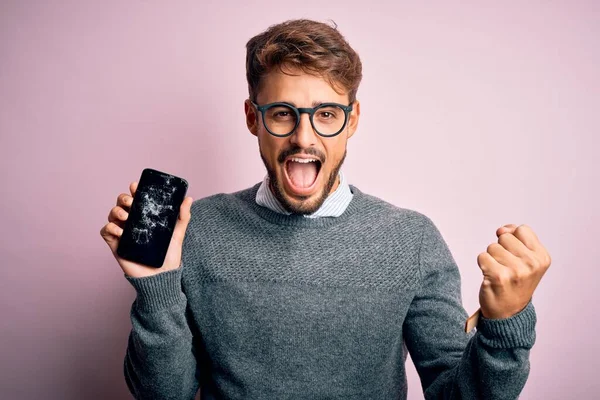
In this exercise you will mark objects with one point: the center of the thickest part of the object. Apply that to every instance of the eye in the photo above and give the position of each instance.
(328, 114)
(281, 113)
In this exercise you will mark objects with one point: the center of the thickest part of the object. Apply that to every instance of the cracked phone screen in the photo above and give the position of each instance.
(152, 218)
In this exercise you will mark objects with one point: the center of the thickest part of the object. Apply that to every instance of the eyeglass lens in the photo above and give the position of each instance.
(281, 119)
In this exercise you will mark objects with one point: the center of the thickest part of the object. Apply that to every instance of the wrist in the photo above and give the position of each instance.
(159, 291)
(503, 313)
(517, 330)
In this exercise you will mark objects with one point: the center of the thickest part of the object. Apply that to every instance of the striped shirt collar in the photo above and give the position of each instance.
(334, 205)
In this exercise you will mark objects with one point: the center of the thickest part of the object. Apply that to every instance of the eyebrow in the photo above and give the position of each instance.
(314, 103)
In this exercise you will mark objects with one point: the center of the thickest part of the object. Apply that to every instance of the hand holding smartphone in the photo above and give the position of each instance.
(146, 229)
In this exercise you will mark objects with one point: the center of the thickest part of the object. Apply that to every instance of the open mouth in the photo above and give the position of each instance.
(301, 175)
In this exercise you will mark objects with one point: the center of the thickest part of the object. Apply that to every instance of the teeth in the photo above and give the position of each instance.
(302, 160)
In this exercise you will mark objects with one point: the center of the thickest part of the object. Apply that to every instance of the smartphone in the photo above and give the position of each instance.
(152, 218)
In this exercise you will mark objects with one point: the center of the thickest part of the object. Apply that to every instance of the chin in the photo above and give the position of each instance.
(301, 203)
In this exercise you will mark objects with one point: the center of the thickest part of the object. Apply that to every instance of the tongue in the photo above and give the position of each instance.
(302, 174)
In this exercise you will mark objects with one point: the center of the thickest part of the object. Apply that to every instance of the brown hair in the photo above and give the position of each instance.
(314, 47)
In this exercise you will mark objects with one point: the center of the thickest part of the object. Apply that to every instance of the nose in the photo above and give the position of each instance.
(304, 136)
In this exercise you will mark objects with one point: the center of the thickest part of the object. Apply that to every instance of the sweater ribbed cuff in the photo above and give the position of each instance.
(159, 291)
(512, 332)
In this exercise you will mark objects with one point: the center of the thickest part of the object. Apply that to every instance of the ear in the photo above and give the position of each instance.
(251, 117)
(353, 118)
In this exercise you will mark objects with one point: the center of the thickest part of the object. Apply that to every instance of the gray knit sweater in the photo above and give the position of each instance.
(273, 306)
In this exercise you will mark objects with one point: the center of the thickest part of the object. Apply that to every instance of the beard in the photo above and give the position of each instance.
(303, 207)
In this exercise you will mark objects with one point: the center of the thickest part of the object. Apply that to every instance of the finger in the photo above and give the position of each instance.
(514, 246)
(183, 220)
(111, 234)
(508, 228)
(112, 230)
(494, 273)
(117, 215)
(133, 187)
(501, 255)
(124, 200)
(486, 262)
(526, 235)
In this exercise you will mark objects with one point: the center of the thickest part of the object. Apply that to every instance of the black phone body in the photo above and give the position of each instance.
(152, 218)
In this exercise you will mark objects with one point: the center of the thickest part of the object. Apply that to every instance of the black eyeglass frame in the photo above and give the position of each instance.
(310, 111)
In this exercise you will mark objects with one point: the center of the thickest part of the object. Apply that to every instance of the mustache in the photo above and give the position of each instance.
(296, 151)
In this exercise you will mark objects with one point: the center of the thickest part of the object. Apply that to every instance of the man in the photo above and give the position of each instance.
(303, 286)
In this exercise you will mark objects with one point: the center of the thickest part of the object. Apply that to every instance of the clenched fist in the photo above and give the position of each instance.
(512, 269)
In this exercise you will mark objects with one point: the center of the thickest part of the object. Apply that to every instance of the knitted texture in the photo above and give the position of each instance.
(275, 306)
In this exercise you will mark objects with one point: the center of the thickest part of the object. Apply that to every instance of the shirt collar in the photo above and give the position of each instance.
(334, 205)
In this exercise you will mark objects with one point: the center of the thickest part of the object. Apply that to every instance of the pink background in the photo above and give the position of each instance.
(476, 115)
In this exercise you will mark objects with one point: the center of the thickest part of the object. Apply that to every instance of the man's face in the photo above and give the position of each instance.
(300, 187)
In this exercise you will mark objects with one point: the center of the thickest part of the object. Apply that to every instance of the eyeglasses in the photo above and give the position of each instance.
(281, 119)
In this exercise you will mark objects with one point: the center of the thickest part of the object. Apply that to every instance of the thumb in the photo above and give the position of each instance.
(183, 220)
(508, 228)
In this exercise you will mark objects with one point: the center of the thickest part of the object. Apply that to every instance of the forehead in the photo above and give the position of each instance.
(298, 87)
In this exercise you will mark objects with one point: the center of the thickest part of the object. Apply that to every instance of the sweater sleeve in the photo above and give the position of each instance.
(160, 360)
(492, 363)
